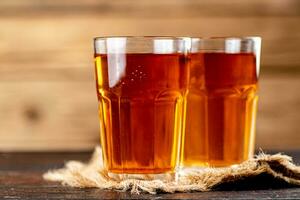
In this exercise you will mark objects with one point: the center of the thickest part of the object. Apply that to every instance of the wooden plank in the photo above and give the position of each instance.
(67, 42)
(21, 178)
(30, 73)
(30, 185)
(48, 116)
(43, 161)
(38, 161)
(278, 116)
(60, 115)
(151, 9)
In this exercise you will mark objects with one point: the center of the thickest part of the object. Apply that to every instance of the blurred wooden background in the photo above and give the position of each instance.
(48, 98)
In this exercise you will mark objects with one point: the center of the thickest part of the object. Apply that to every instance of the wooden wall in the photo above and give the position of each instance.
(48, 99)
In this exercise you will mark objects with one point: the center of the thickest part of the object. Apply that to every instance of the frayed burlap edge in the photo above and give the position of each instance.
(93, 175)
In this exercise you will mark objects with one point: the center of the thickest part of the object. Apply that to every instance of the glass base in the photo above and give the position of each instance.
(196, 168)
(210, 164)
(168, 176)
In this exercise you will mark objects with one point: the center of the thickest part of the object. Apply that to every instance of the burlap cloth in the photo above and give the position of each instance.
(263, 171)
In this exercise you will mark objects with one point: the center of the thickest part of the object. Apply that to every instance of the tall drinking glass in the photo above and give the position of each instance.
(222, 101)
(141, 86)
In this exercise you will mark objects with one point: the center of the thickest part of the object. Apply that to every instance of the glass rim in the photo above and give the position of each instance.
(142, 37)
(242, 38)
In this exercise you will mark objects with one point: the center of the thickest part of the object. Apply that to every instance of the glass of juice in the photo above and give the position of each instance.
(141, 85)
(222, 101)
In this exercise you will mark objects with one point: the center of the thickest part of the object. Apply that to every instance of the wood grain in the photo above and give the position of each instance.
(61, 115)
(153, 8)
(29, 185)
(67, 41)
(38, 189)
(21, 178)
(48, 99)
(278, 113)
(48, 115)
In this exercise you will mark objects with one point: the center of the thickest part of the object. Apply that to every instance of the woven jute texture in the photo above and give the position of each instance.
(263, 171)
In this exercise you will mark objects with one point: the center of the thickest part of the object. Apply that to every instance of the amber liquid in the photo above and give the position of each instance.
(141, 108)
(221, 109)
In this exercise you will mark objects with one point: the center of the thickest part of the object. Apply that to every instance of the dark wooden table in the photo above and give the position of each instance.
(21, 178)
